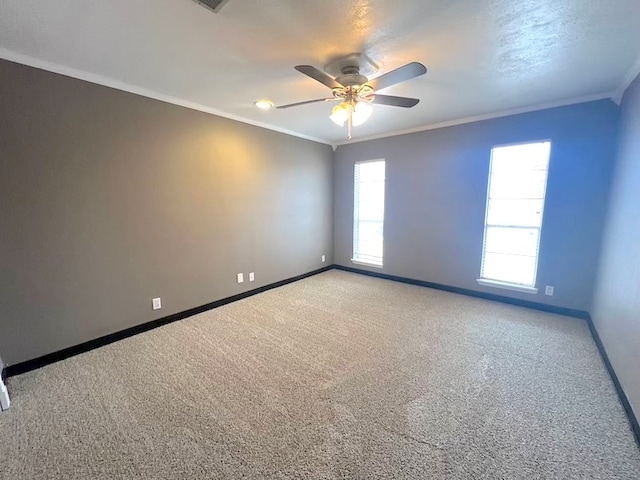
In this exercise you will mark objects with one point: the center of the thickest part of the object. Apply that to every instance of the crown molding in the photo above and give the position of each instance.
(144, 92)
(488, 116)
(9, 55)
(628, 79)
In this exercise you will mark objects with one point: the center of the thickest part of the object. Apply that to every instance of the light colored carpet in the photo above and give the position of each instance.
(336, 376)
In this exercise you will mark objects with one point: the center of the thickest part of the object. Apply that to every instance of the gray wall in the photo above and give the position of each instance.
(616, 309)
(436, 191)
(108, 199)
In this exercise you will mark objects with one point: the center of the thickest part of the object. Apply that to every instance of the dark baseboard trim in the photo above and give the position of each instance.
(473, 293)
(633, 420)
(27, 366)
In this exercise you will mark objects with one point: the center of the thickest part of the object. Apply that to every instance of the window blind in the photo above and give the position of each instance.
(368, 212)
(515, 204)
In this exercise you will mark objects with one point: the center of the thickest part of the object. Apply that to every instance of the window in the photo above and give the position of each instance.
(368, 212)
(515, 203)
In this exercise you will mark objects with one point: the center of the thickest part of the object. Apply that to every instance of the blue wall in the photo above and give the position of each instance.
(436, 191)
(616, 309)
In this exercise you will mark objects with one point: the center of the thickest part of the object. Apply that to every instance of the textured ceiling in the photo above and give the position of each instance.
(484, 56)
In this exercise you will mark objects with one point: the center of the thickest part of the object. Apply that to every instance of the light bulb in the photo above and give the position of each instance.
(361, 113)
(263, 104)
(340, 114)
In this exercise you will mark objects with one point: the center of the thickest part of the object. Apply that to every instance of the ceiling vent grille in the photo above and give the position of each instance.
(213, 5)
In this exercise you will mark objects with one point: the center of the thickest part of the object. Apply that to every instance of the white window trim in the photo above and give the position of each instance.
(507, 286)
(368, 264)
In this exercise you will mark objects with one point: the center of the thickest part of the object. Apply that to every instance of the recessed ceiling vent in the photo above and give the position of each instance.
(213, 5)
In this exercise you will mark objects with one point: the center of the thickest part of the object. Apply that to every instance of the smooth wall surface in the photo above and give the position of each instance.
(436, 186)
(109, 199)
(616, 309)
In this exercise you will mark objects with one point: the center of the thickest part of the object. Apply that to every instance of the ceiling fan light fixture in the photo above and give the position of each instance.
(361, 113)
(263, 104)
(340, 113)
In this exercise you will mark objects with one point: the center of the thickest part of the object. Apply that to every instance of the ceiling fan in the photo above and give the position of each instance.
(357, 92)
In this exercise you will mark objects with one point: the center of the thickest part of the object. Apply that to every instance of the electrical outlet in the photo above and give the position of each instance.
(240, 278)
(548, 290)
(156, 303)
(324, 258)
(252, 276)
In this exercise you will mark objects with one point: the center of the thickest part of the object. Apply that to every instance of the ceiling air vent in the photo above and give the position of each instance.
(214, 5)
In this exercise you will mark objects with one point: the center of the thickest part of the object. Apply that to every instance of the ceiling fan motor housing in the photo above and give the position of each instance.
(355, 61)
(351, 79)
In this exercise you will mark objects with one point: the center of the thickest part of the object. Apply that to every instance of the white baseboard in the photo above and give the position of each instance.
(4, 397)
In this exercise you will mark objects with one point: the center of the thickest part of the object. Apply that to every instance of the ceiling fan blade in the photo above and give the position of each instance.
(409, 71)
(395, 101)
(297, 104)
(319, 76)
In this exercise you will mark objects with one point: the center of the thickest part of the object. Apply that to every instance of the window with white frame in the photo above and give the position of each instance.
(368, 212)
(513, 221)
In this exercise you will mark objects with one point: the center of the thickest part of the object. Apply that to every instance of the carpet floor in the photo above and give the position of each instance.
(335, 376)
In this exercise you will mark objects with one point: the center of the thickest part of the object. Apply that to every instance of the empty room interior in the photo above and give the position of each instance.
(345, 239)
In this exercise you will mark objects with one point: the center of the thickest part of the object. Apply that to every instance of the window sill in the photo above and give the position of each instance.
(507, 286)
(368, 264)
